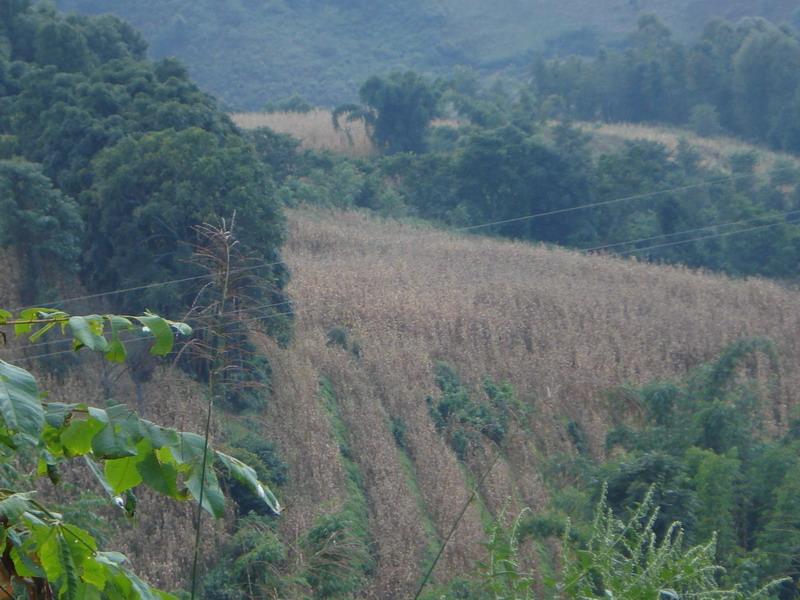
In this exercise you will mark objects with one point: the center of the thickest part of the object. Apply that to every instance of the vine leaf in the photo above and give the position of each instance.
(20, 406)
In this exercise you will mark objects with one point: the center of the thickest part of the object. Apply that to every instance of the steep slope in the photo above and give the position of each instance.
(248, 53)
(560, 327)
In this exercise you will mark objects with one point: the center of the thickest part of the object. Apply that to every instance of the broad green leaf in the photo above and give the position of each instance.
(188, 453)
(116, 349)
(56, 413)
(20, 405)
(119, 324)
(119, 437)
(77, 437)
(50, 555)
(246, 475)
(189, 448)
(161, 331)
(116, 352)
(162, 477)
(213, 499)
(111, 558)
(95, 573)
(5, 316)
(113, 442)
(14, 506)
(24, 565)
(29, 314)
(159, 436)
(98, 413)
(59, 565)
(81, 542)
(88, 331)
(122, 473)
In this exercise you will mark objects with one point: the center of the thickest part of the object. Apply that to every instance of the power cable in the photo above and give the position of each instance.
(685, 231)
(642, 196)
(458, 229)
(145, 287)
(708, 237)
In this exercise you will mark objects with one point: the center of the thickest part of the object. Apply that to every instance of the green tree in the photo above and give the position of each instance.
(154, 190)
(42, 225)
(716, 479)
(397, 110)
(780, 540)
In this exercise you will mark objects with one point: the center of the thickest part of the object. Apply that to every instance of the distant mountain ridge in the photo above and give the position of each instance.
(248, 53)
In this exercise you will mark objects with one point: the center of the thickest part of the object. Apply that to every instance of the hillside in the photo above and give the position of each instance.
(315, 131)
(714, 150)
(250, 53)
(560, 327)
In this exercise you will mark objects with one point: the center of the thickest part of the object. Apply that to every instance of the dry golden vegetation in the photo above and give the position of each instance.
(561, 327)
(314, 129)
(715, 151)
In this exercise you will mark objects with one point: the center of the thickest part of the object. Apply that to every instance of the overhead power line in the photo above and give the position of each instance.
(694, 230)
(641, 196)
(708, 237)
(146, 286)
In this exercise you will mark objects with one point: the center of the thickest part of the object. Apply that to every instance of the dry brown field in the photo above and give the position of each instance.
(314, 129)
(715, 151)
(562, 327)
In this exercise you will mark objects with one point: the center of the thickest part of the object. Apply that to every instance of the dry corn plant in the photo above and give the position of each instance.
(561, 327)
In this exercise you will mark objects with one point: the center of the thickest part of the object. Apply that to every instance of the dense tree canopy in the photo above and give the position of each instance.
(747, 73)
(132, 146)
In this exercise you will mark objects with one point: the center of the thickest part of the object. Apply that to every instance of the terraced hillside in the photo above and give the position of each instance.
(379, 305)
(560, 327)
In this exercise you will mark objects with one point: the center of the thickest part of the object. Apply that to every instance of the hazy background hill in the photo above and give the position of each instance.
(248, 53)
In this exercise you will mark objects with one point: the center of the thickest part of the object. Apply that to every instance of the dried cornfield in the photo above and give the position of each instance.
(715, 151)
(314, 129)
(561, 327)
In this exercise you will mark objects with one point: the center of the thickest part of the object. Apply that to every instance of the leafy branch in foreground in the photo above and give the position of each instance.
(40, 554)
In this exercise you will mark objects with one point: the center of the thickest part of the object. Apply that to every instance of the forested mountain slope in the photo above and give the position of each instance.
(249, 53)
